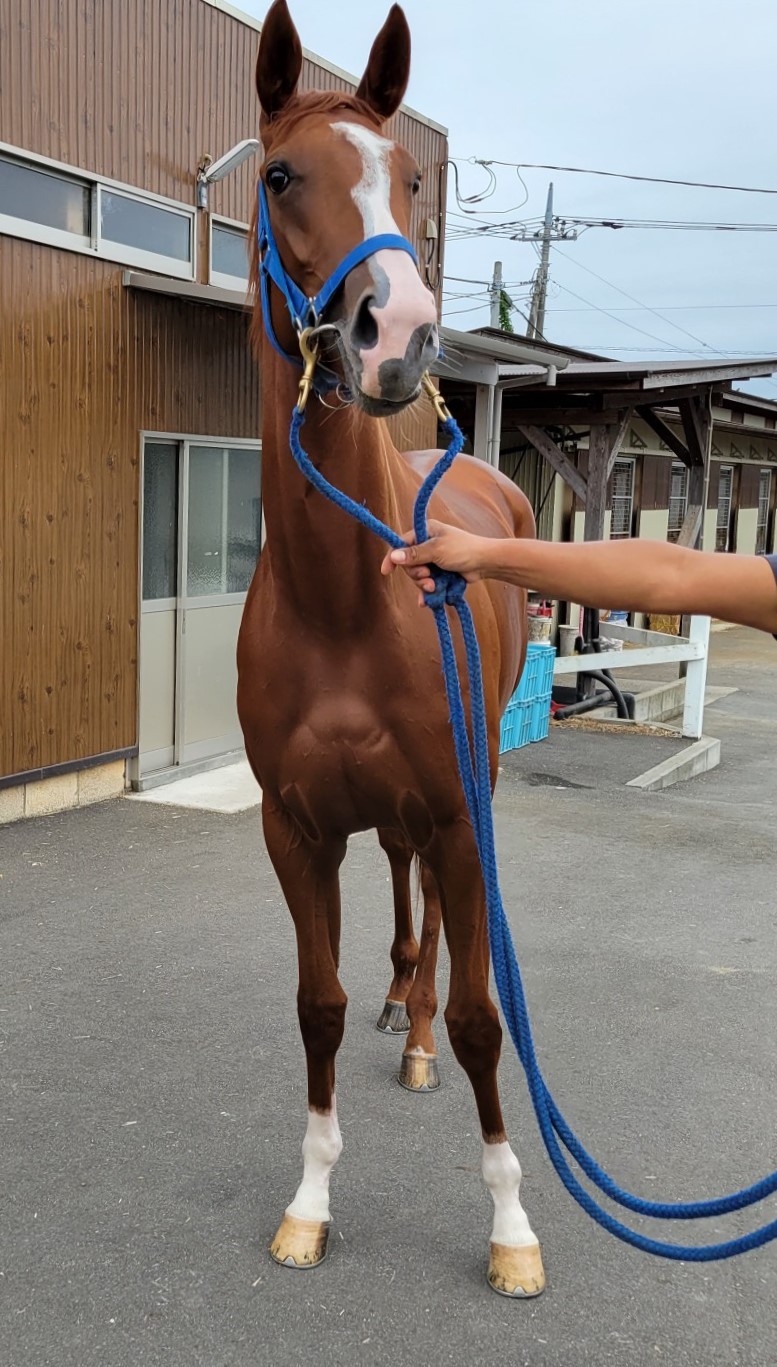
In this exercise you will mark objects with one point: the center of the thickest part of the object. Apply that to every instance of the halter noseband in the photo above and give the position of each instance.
(305, 312)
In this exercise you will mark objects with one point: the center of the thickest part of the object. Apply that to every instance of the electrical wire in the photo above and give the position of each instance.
(614, 175)
(678, 326)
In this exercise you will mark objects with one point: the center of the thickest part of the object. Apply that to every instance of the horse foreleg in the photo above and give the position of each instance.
(308, 875)
(404, 950)
(419, 1061)
(515, 1265)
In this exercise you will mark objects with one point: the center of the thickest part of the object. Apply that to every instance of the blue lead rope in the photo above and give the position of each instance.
(476, 782)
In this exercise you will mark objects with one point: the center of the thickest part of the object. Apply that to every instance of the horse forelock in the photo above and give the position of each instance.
(315, 102)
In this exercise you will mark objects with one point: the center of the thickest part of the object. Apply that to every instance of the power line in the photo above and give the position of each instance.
(699, 340)
(614, 175)
(622, 321)
(671, 308)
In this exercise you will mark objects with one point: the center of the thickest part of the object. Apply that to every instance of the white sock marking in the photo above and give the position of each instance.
(321, 1149)
(502, 1176)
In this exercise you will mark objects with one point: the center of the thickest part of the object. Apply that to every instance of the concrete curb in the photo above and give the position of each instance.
(698, 758)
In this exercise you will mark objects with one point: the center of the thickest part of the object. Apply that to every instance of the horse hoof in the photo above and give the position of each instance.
(516, 1272)
(393, 1018)
(300, 1243)
(419, 1073)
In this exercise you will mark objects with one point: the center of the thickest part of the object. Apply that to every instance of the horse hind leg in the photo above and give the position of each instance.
(419, 1072)
(310, 881)
(393, 1019)
(515, 1263)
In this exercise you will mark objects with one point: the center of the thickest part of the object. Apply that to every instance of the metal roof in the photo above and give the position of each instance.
(504, 347)
(646, 375)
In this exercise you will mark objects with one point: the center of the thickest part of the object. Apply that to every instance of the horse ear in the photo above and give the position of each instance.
(385, 81)
(279, 61)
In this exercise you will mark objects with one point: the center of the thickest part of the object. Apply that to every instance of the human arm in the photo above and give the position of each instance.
(636, 575)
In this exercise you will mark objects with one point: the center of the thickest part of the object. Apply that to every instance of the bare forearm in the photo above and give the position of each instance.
(640, 576)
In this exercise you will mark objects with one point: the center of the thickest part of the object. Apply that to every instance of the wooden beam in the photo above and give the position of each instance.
(556, 458)
(616, 432)
(697, 424)
(574, 416)
(603, 446)
(666, 434)
(598, 472)
(690, 532)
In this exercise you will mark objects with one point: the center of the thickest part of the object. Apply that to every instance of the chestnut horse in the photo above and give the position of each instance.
(340, 691)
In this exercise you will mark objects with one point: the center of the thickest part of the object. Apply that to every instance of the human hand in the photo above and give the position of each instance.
(449, 547)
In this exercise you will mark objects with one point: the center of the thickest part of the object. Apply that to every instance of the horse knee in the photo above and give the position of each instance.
(322, 1021)
(475, 1034)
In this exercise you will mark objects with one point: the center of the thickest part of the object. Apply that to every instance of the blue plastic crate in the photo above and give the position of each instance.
(527, 717)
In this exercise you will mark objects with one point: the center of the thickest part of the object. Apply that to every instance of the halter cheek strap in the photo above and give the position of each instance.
(306, 312)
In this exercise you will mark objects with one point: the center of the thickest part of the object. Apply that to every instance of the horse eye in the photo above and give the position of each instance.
(417, 184)
(277, 179)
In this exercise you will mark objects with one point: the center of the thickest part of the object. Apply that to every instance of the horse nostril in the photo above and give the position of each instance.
(364, 330)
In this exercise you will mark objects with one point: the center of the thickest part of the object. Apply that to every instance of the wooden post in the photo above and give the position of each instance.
(696, 414)
(604, 444)
(484, 406)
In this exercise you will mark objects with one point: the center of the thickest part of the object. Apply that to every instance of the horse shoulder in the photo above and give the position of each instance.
(474, 491)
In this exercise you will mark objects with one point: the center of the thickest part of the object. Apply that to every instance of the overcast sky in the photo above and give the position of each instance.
(682, 90)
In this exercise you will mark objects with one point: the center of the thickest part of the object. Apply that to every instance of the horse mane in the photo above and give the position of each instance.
(313, 102)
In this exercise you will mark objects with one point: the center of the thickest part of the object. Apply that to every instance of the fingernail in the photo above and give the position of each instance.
(399, 557)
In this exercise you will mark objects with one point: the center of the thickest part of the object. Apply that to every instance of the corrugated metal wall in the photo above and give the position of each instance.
(140, 91)
(136, 91)
(87, 365)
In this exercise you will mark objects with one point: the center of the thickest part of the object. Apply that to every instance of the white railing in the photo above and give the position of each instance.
(648, 648)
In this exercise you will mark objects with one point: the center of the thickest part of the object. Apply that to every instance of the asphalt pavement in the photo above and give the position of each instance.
(152, 1092)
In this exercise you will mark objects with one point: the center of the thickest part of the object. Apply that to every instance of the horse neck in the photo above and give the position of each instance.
(323, 562)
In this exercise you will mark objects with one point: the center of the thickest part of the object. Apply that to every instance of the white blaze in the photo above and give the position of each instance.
(372, 195)
(409, 305)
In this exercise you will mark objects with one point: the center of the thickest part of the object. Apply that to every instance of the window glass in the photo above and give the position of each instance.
(44, 197)
(160, 520)
(146, 227)
(225, 519)
(244, 517)
(206, 516)
(229, 252)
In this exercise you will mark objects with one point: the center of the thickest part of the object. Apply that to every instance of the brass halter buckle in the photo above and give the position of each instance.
(438, 402)
(310, 359)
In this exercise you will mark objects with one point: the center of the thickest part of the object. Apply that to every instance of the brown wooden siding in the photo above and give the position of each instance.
(87, 365)
(140, 91)
(749, 486)
(655, 482)
(137, 92)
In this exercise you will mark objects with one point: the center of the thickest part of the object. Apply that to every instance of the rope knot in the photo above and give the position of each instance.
(449, 587)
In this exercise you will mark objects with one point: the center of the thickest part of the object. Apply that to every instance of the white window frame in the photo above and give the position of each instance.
(137, 256)
(726, 526)
(762, 528)
(221, 278)
(623, 536)
(96, 245)
(673, 533)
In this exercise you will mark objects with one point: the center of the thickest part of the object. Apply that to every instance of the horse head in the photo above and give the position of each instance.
(333, 181)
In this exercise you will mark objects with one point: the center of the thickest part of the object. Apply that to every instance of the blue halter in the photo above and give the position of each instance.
(303, 311)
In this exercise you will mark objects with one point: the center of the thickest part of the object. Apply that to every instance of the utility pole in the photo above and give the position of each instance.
(540, 290)
(495, 294)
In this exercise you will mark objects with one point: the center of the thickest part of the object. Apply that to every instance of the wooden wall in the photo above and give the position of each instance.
(135, 91)
(87, 365)
(140, 90)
